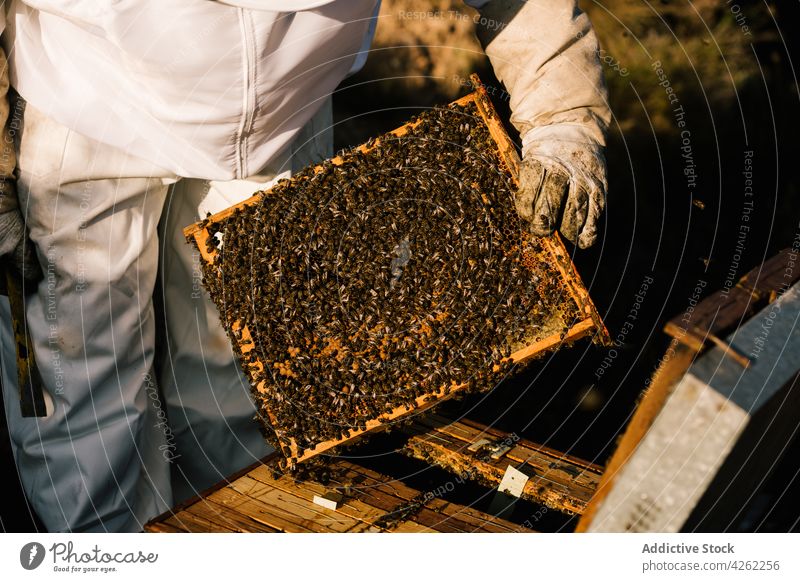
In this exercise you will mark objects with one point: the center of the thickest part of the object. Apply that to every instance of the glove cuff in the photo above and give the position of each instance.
(559, 141)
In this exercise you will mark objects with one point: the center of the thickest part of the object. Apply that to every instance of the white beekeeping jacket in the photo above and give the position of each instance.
(205, 89)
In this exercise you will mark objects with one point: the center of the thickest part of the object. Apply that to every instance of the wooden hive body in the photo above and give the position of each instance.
(260, 499)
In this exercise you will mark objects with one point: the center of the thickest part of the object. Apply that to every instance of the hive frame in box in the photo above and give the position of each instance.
(590, 324)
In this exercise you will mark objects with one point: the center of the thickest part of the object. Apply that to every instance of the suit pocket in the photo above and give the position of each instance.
(40, 142)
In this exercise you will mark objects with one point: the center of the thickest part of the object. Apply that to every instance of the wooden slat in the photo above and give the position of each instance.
(558, 481)
(722, 311)
(163, 527)
(568, 460)
(200, 496)
(522, 450)
(280, 509)
(392, 495)
(352, 507)
(343, 519)
(259, 501)
(188, 522)
(369, 503)
(411, 527)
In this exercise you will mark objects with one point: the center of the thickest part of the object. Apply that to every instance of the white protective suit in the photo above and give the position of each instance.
(122, 102)
(148, 111)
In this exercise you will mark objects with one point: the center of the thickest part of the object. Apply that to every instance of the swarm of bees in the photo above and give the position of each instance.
(368, 284)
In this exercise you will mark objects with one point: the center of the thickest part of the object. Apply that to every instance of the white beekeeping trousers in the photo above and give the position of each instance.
(101, 460)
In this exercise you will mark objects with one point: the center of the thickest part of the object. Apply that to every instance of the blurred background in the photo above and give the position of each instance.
(731, 67)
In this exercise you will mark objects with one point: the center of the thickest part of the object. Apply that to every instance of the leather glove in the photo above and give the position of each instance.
(563, 185)
(545, 53)
(14, 243)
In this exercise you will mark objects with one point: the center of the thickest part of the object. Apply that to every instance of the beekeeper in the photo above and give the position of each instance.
(140, 113)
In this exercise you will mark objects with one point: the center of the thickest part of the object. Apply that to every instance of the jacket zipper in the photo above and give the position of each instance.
(248, 93)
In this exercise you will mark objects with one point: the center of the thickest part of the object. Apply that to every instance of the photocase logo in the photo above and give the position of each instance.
(31, 555)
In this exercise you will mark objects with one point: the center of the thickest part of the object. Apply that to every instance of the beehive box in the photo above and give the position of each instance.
(389, 279)
(465, 447)
(260, 500)
(397, 495)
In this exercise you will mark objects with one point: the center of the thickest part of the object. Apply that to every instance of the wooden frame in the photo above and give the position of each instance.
(590, 324)
(256, 500)
(558, 481)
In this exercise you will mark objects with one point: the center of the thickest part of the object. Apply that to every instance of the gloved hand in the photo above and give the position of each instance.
(545, 53)
(14, 243)
(563, 185)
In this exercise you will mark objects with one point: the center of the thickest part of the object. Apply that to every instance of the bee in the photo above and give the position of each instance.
(309, 266)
